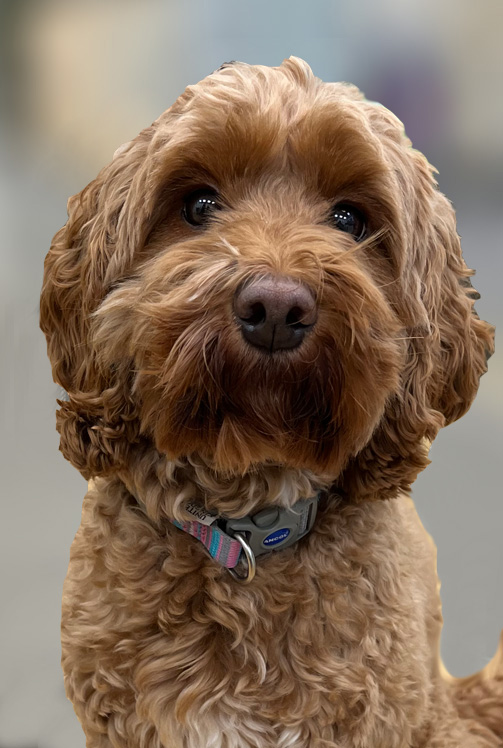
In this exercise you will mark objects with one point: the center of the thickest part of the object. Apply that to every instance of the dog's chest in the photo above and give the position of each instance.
(318, 650)
(296, 688)
(322, 649)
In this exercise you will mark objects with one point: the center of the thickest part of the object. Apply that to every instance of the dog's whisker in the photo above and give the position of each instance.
(229, 246)
(411, 337)
(206, 339)
(385, 285)
(365, 410)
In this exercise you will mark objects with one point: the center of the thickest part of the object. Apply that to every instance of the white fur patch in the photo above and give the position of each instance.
(240, 731)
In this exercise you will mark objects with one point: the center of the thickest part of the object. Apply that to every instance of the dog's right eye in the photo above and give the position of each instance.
(199, 206)
(349, 219)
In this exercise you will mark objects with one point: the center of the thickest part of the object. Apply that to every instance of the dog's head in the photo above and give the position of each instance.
(266, 274)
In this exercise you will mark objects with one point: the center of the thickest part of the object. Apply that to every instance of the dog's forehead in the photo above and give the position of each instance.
(244, 90)
(245, 119)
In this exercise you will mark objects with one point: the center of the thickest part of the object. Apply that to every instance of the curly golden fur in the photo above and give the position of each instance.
(335, 642)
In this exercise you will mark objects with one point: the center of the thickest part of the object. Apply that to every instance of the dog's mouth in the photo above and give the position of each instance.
(240, 404)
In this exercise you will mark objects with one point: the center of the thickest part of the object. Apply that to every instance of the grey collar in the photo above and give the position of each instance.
(270, 529)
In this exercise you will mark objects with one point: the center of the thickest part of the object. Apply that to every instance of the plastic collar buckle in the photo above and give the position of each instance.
(270, 529)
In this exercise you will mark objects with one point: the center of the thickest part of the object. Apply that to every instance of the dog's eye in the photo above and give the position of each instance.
(199, 206)
(349, 219)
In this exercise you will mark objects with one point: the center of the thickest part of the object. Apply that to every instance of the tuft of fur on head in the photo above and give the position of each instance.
(137, 305)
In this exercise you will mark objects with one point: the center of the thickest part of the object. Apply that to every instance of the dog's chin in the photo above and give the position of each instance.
(233, 452)
(312, 408)
(253, 432)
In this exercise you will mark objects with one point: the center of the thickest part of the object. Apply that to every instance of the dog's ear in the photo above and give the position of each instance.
(453, 340)
(464, 342)
(87, 256)
(447, 345)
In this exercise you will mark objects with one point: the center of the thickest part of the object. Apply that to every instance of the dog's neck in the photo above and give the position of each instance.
(163, 486)
(233, 516)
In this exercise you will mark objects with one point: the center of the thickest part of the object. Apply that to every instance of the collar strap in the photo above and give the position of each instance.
(270, 529)
(223, 548)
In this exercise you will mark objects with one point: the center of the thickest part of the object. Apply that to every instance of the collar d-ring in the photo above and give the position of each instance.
(250, 559)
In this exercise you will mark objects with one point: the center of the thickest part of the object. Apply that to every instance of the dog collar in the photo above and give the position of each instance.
(270, 529)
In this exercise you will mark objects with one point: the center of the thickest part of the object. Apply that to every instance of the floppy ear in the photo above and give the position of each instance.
(466, 341)
(92, 251)
(447, 344)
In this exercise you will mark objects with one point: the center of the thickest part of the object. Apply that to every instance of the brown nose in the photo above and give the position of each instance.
(275, 312)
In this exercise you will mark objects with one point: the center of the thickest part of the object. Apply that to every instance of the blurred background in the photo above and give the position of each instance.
(80, 78)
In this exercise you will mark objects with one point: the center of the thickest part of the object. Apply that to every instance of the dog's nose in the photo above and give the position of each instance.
(275, 312)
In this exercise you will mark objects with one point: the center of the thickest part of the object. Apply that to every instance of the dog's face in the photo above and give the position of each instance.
(267, 274)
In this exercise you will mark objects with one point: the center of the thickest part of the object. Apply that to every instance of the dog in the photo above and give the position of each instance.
(261, 317)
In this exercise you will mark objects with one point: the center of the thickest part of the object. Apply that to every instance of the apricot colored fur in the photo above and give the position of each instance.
(335, 643)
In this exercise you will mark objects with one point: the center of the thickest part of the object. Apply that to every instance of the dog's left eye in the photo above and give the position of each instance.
(199, 206)
(349, 219)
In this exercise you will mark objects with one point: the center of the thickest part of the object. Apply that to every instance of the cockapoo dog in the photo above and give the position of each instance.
(261, 317)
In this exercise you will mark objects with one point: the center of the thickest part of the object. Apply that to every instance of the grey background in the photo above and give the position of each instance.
(80, 78)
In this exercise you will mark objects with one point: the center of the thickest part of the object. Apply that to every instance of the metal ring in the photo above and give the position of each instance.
(250, 557)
